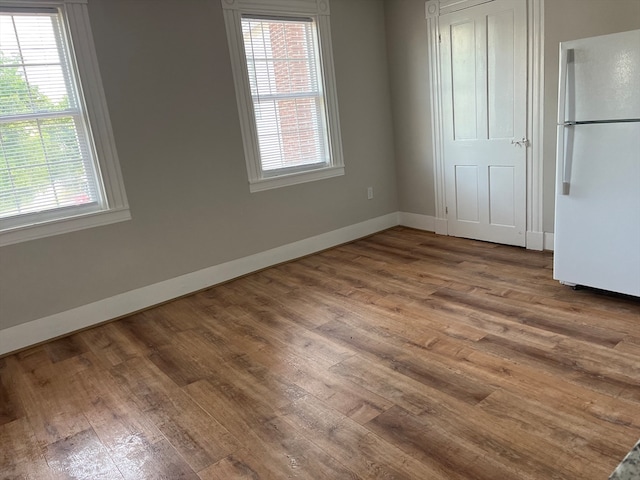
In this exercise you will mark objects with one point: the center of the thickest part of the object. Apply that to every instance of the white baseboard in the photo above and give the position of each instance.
(416, 220)
(40, 330)
(548, 241)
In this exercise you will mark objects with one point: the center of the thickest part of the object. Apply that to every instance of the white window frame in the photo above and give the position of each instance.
(114, 207)
(319, 11)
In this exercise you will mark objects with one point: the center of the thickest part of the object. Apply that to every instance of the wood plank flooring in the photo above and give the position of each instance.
(404, 355)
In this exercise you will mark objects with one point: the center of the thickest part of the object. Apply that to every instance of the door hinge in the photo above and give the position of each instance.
(446, 210)
(439, 38)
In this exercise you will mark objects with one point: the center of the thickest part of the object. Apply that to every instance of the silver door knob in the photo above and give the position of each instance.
(521, 143)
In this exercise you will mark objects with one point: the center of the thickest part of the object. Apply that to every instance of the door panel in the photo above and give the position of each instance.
(467, 193)
(483, 55)
(502, 196)
(500, 73)
(464, 80)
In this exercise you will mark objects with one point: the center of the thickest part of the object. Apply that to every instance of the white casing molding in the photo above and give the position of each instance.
(418, 221)
(535, 122)
(320, 11)
(449, 6)
(535, 109)
(47, 328)
(442, 227)
(535, 240)
(432, 11)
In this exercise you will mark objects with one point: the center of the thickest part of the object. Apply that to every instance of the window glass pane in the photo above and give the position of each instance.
(8, 39)
(42, 166)
(36, 36)
(286, 90)
(34, 73)
(45, 158)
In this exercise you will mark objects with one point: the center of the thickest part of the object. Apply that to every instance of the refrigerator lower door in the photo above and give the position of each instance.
(597, 224)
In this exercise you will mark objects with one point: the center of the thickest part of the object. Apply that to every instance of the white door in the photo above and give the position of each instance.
(484, 87)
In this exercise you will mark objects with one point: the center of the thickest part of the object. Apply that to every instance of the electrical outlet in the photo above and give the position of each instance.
(369, 193)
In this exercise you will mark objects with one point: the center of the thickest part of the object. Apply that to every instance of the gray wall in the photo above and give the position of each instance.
(169, 87)
(408, 57)
(409, 78)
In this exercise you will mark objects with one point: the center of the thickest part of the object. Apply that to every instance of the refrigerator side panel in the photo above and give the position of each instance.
(597, 231)
(603, 77)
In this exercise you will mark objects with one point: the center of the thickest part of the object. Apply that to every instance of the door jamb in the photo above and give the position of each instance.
(535, 118)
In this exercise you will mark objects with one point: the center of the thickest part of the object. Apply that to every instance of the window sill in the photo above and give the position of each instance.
(64, 225)
(294, 178)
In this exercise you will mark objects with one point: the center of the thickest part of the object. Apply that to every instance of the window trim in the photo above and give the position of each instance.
(319, 10)
(90, 88)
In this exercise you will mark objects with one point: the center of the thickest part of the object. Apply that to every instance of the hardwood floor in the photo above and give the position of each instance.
(403, 355)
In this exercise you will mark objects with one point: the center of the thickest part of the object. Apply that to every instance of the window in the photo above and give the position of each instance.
(285, 87)
(58, 166)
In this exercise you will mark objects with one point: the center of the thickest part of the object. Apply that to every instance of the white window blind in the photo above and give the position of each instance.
(46, 156)
(287, 92)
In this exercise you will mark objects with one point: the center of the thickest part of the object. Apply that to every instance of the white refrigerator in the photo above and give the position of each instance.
(597, 211)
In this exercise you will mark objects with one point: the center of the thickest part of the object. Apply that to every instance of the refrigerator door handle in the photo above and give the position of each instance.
(562, 87)
(565, 150)
(565, 155)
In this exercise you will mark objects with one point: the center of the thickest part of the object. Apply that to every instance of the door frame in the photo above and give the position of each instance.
(535, 112)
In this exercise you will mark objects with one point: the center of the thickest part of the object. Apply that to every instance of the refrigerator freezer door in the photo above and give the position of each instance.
(597, 226)
(602, 77)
